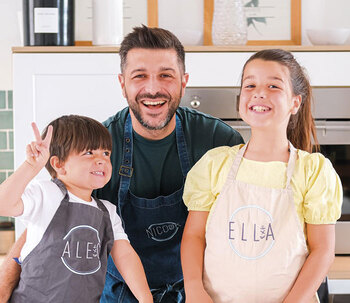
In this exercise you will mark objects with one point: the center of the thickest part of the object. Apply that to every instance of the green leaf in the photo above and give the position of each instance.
(252, 3)
(250, 21)
(260, 19)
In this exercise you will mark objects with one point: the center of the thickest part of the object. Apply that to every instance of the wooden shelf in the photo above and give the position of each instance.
(198, 48)
(340, 269)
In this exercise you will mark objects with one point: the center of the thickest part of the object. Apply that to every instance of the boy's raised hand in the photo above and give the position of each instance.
(38, 151)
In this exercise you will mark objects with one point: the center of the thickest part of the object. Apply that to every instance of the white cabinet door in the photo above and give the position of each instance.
(47, 86)
(223, 69)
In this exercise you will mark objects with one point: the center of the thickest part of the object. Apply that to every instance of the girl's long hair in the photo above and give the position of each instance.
(301, 130)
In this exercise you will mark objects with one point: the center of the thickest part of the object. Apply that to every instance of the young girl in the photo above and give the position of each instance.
(69, 233)
(261, 215)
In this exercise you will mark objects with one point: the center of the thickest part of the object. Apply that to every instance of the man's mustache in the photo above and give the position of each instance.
(155, 96)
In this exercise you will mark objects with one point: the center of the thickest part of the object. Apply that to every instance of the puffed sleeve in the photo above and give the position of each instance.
(205, 180)
(324, 193)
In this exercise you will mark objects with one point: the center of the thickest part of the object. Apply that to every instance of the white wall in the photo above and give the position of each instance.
(9, 36)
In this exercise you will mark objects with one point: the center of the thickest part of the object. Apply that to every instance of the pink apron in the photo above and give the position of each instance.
(255, 242)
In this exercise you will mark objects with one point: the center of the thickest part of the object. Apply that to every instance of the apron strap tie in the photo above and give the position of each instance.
(175, 289)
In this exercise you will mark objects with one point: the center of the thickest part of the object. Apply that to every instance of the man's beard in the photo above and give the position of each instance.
(173, 105)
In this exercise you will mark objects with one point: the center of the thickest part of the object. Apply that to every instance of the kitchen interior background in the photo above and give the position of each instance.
(315, 13)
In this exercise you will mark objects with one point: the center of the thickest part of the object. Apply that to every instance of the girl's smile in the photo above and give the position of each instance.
(259, 108)
(266, 99)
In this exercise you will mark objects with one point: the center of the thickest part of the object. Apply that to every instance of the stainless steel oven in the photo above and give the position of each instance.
(332, 116)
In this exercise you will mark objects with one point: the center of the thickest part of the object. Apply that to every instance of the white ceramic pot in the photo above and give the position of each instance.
(328, 36)
(107, 22)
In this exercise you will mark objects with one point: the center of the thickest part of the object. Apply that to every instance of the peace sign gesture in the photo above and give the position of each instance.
(38, 151)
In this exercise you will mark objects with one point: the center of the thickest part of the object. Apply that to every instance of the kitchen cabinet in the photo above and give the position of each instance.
(51, 81)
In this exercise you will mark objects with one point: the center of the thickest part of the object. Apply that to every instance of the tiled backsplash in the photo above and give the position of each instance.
(6, 137)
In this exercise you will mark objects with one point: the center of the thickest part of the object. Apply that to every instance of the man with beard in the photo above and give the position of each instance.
(155, 143)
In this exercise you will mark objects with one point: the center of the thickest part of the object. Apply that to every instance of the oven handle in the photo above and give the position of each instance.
(333, 127)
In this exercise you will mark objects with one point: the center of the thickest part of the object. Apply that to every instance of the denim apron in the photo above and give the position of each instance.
(69, 263)
(154, 227)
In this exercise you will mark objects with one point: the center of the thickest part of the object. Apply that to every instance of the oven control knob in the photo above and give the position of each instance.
(195, 103)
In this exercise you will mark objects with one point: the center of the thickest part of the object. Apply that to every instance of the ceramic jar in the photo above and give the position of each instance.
(107, 22)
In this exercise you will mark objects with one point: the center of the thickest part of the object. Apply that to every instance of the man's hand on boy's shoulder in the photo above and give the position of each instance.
(10, 271)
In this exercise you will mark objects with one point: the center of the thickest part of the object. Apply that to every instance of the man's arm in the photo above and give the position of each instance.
(10, 270)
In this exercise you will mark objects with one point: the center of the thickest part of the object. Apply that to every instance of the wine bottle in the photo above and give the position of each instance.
(48, 22)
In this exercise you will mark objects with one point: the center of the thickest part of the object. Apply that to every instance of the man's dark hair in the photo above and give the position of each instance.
(75, 134)
(151, 38)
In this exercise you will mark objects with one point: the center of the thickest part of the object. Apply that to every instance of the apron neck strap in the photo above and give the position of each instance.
(290, 166)
(236, 162)
(182, 148)
(291, 163)
(126, 169)
(62, 187)
(64, 190)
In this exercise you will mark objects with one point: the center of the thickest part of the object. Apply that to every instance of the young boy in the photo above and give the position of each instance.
(69, 233)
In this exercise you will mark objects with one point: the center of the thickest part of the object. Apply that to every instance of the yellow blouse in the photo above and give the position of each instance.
(317, 188)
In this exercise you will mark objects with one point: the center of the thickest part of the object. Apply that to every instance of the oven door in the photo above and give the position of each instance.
(334, 140)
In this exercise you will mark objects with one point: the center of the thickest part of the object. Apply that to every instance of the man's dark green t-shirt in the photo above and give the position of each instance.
(156, 165)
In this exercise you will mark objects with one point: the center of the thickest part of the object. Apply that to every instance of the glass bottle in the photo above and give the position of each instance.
(48, 22)
(229, 23)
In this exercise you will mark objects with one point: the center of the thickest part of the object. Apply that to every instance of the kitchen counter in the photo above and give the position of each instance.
(340, 268)
(339, 277)
(194, 49)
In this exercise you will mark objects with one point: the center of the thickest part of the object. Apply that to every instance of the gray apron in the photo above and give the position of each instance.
(70, 262)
